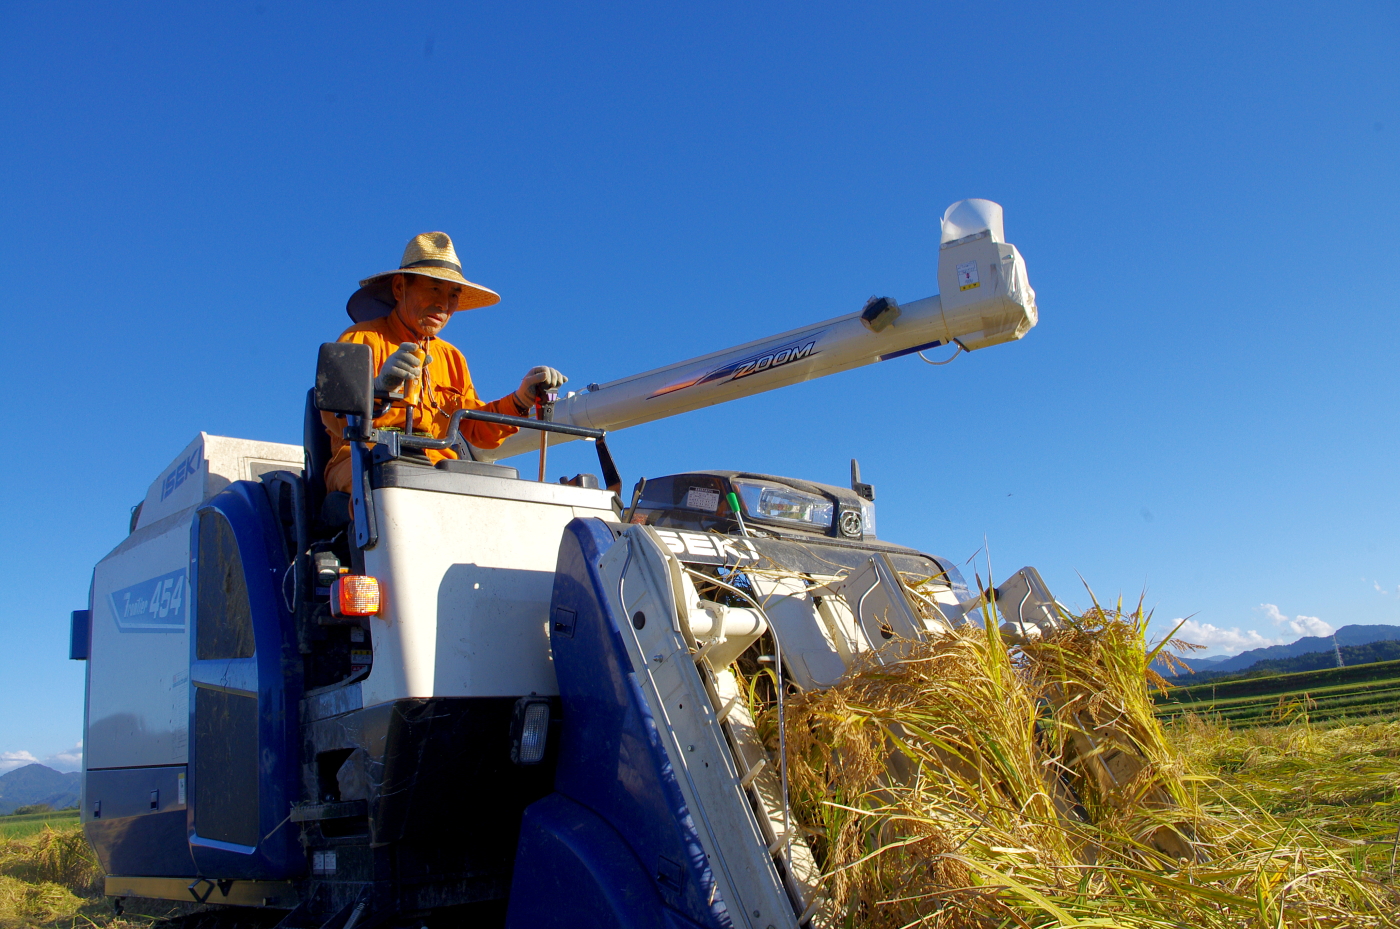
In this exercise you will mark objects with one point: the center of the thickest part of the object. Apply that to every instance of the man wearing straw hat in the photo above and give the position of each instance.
(399, 314)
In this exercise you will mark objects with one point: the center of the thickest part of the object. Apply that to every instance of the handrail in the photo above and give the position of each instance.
(454, 429)
(393, 441)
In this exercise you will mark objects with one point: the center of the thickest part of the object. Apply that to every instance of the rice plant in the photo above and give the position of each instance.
(25, 903)
(45, 877)
(972, 784)
(60, 856)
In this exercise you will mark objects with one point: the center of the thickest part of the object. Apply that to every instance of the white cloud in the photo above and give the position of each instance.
(11, 760)
(1214, 638)
(1220, 640)
(1379, 588)
(71, 760)
(1311, 625)
(1299, 625)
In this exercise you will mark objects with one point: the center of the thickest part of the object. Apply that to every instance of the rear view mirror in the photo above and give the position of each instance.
(345, 379)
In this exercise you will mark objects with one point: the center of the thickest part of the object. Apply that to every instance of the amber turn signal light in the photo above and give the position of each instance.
(355, 595)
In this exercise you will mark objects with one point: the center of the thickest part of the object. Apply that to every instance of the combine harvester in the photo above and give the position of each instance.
(491, 701)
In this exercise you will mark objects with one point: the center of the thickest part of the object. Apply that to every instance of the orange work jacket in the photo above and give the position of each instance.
(447, 389)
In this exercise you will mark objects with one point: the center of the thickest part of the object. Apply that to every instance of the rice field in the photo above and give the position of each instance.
(976, 783)
(17, 827)
(1355, 694)
(1302, 796)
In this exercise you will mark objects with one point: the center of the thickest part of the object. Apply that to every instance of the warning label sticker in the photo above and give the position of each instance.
(967, 275)
(702, 498)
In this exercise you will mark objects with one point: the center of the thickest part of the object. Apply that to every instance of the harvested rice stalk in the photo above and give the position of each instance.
(924, 787)
(905, 770)
(23, 905)
(1094, 672)
(61, 856)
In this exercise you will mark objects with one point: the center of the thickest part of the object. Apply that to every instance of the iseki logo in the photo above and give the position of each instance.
(179, 473)
(695, 546)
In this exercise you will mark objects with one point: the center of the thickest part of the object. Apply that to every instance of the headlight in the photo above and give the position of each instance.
(774, 501)
(867, 517)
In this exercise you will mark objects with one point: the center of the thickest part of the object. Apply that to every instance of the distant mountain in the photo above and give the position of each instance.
(36, 783)
(1352, 655)
(1196, 664)
(1347, 635)
(1369, 653)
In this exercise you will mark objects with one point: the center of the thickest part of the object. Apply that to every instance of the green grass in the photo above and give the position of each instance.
(17, 827)
(1380, 670)
(1362, 692)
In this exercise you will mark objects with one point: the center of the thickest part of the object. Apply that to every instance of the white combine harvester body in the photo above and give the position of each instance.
(502, 699)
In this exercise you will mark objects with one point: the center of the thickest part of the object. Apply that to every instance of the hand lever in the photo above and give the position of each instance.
(540, 401)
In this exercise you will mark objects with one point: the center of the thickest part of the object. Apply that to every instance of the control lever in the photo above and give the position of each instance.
(413, 389)
(543, 400)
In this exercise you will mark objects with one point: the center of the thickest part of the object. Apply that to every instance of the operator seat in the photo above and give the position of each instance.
(330, 511)
(327, 512)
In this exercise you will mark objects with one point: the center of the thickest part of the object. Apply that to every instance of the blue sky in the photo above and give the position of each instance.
(1206, 195)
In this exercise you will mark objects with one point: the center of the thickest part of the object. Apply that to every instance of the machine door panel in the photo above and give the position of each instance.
(226, 766)
(224, 780)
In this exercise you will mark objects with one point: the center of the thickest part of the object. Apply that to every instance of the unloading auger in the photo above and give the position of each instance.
(985, 299)
(491, 701)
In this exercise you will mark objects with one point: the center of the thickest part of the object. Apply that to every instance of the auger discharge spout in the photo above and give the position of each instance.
(985, 299)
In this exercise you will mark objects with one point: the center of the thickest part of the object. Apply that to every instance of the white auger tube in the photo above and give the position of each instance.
(985, 300)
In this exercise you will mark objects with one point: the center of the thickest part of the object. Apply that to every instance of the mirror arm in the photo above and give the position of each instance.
(362, 495)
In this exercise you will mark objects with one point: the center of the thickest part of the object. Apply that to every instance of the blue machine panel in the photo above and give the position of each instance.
(568, 853)
(617, 833)
(264, 738)
(80, 635)
(136, 820)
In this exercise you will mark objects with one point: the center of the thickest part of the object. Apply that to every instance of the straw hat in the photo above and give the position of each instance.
(429, 254)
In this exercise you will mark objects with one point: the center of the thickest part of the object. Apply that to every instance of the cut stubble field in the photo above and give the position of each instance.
(1362, 693)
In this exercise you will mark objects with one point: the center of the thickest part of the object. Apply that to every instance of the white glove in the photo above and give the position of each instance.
(534, 385)
(401, 366)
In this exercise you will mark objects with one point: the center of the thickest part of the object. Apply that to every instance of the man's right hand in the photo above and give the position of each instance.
(401, 366)
(536, 383)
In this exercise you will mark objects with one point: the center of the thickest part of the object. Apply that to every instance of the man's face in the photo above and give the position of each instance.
(424, 304)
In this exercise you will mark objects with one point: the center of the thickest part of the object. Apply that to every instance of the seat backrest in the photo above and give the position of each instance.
(317, 451)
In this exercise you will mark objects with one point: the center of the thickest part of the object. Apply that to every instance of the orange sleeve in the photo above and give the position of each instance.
(489, 435)
(453, 390)
(461, 394)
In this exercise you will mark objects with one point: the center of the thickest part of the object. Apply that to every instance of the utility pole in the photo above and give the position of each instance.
(1337, 651)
